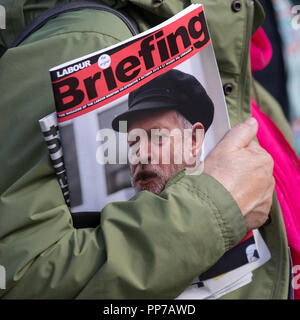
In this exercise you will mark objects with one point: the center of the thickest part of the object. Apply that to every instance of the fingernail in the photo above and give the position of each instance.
(251, 121)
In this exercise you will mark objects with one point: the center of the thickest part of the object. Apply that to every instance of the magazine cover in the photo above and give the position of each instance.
(92, 90)
(93, 94)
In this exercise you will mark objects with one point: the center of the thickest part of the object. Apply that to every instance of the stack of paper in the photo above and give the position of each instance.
(224, 276)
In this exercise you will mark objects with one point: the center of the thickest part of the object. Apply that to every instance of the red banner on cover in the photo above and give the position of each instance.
(96, 80)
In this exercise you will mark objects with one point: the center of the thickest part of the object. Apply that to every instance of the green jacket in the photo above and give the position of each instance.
(150, 246)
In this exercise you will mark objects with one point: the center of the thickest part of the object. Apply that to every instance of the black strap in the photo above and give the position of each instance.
(87, 219)
(52, 13)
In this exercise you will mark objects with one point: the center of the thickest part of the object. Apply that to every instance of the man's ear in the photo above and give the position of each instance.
(197, 139)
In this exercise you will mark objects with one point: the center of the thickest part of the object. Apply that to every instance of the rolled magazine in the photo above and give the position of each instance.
(51, 134)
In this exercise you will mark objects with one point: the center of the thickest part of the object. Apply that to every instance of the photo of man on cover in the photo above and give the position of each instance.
(172, 101)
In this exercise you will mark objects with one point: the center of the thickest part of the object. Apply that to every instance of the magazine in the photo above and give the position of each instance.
(224, 283)
(91, 91)
(51, 134)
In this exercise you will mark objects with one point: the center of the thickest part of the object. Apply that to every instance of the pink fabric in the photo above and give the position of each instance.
(286, 162)
(287, 176)
(260, 50)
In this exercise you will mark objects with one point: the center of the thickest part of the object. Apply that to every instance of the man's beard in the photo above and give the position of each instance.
(152, 178)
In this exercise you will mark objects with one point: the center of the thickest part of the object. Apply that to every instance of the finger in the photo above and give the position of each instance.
(240, 135)
(254, 146)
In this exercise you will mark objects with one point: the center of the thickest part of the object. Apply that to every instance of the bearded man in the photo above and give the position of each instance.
(166, 121)
(159, 115)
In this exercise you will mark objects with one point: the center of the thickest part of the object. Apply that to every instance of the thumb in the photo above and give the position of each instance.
(240, 135)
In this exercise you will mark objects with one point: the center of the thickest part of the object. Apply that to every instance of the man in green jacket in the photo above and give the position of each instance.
(136, 252)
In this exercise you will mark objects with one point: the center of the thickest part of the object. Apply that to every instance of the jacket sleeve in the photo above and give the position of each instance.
(148, 247)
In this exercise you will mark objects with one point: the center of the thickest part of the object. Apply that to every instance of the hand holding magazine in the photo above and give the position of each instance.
(92, 91)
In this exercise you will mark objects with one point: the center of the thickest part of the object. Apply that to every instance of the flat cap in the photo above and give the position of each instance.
(173, 90)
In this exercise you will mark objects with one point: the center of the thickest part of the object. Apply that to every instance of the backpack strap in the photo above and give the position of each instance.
(52, 13)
